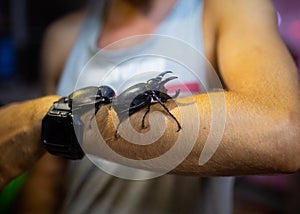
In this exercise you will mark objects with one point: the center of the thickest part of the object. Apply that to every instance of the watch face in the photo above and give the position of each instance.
(56, 130)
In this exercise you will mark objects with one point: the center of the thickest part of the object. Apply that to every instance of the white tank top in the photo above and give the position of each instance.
(90, 190)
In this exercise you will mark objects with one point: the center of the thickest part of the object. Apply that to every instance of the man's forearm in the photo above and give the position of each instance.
(20, 130)
(259, 137)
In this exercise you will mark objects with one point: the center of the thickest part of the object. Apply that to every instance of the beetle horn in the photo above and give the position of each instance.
(153, 79)
(162, 83)
(164, 73)
(160, 76)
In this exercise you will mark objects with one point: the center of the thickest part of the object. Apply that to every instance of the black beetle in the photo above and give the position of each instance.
(90, 97)
(143, 95)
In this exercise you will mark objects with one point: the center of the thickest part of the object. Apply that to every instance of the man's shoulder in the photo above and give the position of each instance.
(58, 41)
(67, 27)
(221, 7)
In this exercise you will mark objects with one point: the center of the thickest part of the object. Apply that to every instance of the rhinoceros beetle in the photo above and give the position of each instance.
(143, 95)
(90, 97)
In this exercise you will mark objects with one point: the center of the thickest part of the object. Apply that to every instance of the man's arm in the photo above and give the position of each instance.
(20, 145)
(262, 101)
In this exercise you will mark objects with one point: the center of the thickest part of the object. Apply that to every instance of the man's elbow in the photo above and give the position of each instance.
(291, 137)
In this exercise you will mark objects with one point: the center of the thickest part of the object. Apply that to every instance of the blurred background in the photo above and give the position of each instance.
(22, 26)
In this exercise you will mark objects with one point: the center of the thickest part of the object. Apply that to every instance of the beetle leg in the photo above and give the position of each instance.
(143, 120)
(165, 107)
(116, 132)
(176, 93)
(117, 129)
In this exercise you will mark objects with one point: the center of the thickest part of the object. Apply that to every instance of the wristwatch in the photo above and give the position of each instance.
(62, 128)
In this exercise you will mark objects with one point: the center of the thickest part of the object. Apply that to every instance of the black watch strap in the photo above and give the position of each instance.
(58, 131)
